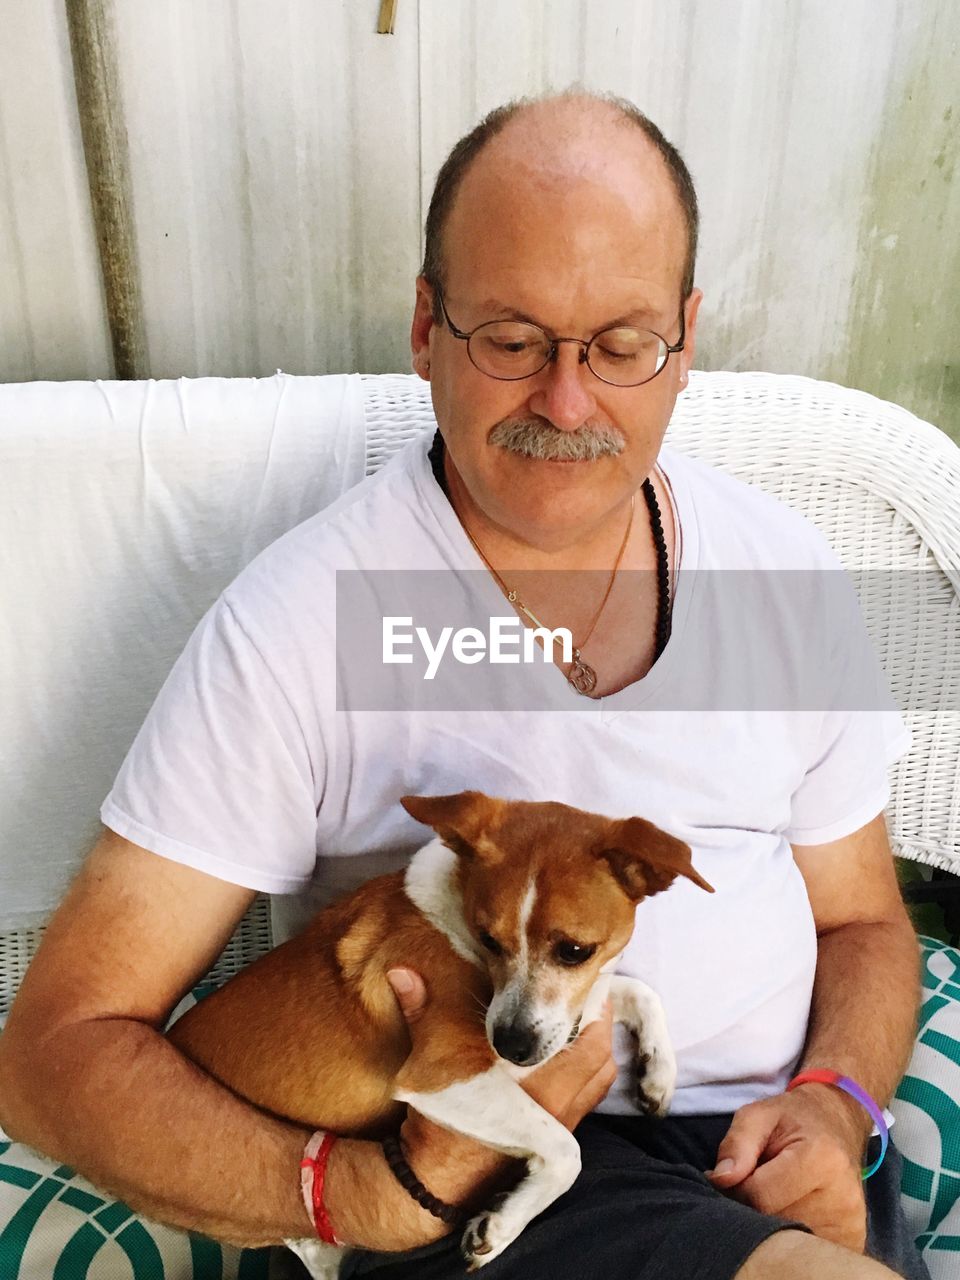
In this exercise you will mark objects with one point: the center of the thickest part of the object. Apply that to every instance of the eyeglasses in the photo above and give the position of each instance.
(513, 349)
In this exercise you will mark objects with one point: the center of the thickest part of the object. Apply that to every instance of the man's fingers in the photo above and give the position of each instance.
(816, 1188)
(410, 991)
(744, 1143)
(596, 1036)
(835, 1214)
(830, 1219)
(781, 1182)
(577, 1078)
(799, 1171)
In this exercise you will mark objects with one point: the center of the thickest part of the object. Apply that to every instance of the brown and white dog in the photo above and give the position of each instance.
(515, 915)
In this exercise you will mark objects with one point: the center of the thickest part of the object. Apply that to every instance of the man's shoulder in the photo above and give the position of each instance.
(285, 598)
(386, 494)
(361, 529)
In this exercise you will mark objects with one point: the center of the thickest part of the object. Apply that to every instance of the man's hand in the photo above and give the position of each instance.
(798, 1155)
(570, 1085)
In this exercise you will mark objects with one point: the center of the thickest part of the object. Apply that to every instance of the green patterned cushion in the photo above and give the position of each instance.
(54, 1225)
(927, 1108)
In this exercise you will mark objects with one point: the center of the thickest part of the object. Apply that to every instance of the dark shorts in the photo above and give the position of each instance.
(643, 1210)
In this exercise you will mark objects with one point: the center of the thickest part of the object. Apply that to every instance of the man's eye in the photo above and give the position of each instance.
(625, 344)
(619, 356)
(573, 953)
(509, 346)
(491, 944)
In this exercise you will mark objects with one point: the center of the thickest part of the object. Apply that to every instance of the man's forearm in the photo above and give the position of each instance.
(864, 1012)
(114, 1099)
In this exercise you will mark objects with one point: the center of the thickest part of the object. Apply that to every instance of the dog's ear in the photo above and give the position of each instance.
(461, 821)
(645, 860)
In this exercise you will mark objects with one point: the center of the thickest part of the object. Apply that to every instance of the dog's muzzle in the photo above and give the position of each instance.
(517, 1043)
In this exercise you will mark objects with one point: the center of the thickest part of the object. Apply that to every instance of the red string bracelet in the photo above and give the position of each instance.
(313, 1169)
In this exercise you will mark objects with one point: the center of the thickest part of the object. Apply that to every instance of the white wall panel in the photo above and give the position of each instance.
(773, 115)
(788, 103)
(783, 112)
(274, 152)
(904, 334)
(52, 317)
(282, 155)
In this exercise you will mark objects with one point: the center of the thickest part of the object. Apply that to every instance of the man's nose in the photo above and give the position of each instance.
(564, 394)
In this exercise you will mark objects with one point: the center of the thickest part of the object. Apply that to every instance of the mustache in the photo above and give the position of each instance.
(535, 438)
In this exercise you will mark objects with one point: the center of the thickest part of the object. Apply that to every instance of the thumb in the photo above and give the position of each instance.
(410, 992)
(742, 1146)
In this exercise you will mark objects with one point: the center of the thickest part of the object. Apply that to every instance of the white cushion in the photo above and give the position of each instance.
(127, 507)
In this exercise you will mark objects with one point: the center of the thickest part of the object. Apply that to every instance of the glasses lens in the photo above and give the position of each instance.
(627, 357)
(508, 349)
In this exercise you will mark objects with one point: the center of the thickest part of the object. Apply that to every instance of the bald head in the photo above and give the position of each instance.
(558, 143)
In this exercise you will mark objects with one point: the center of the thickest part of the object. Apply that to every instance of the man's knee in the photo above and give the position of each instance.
(794, 1255)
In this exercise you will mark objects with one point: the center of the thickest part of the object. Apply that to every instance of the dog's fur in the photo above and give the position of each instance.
(487, 912)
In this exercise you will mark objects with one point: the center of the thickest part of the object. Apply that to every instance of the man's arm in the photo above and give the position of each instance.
(86, 1076)
(799, 1155)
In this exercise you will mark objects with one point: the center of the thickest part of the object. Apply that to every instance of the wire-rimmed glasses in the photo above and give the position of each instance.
(513, 349)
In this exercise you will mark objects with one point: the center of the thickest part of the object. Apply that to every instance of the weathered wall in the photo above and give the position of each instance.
(280, 157)
(903, 340)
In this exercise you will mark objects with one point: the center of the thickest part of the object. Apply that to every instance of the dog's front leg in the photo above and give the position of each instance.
(638, 1007)
(493, 1109)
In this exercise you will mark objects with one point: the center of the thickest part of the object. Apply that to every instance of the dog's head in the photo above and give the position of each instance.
(549, 893)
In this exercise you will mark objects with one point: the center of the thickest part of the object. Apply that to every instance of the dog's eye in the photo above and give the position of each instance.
(573, 953)
(491, 944)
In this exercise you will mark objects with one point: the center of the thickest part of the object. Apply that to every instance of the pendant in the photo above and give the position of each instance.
(581, 675)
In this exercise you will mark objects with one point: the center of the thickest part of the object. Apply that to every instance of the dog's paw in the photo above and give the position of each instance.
(656, 1080)
(484, 1239)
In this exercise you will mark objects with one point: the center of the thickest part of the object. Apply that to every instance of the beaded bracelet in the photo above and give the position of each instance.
(823, 1075)
(313, 1169)
(447, 1213)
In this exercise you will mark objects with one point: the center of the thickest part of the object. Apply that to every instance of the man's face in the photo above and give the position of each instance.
(575, 248)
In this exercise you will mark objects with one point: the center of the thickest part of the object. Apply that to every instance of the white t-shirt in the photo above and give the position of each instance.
(246, 769)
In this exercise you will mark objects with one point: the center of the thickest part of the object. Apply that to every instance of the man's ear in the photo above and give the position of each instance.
(691, 309)
(462, 821)
(645, 860)
(421, 328)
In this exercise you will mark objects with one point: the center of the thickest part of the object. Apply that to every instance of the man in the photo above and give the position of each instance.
(573, 216)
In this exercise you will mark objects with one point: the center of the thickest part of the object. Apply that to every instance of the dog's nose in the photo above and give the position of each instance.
(515, 1043)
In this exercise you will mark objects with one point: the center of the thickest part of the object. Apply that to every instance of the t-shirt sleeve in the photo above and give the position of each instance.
(221, 776)
(849, 784)
(861, 732)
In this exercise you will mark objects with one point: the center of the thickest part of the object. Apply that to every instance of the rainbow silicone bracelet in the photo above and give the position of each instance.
(822, 1075)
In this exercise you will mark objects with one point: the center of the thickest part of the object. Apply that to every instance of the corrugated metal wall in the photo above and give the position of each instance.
(279, 157)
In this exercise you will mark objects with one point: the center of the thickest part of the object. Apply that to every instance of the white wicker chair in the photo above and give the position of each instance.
(883, 486)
